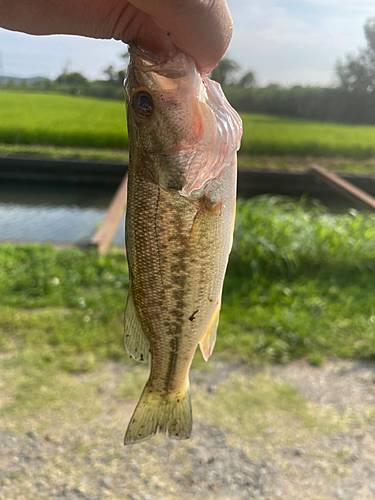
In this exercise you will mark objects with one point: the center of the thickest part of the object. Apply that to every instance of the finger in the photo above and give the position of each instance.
(138, 27)
(200, 28)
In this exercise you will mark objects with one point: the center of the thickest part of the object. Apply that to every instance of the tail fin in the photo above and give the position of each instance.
(169, 413)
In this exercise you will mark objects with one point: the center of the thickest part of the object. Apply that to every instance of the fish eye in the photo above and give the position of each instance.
(143, 104)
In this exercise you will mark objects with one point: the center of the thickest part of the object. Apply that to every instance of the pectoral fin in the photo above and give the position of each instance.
(136, 343)
(207, 342)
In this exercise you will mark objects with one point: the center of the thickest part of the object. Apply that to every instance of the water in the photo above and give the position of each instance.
(68, 212)
(56, 212)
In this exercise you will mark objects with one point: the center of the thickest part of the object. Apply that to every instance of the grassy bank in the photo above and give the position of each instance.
(54, 152)
(300, 283)
(59, 120)
(335, 164)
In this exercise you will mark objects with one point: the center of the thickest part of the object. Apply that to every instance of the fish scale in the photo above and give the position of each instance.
(177, 239)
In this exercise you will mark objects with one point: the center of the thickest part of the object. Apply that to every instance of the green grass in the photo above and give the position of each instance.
(38, 384)
(59, 120)
(33, 150)
(300, 283)
(274, 135)
(295, 163)
(68, 300)
(31, 118)
(275, 408)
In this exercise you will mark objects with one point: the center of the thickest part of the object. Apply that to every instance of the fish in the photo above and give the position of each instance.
(183, 142)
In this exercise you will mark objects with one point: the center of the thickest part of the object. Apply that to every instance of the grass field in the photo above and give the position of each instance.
(274, 135)
(300, 283)
(60, 120)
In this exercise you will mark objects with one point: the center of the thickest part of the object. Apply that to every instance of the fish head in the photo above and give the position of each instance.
(181, 128)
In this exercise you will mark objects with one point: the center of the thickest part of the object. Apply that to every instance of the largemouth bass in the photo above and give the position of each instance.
(183, 138)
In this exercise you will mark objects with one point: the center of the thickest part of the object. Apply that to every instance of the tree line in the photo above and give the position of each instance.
(71, 83)
(351, 101)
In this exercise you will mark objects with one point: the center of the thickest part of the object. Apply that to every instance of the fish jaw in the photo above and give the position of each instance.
(201, 132)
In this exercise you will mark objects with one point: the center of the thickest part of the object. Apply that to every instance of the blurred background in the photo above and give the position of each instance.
(285, 406)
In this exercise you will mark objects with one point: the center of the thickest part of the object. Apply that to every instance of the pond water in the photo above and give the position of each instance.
(56, 212)
(70, 212)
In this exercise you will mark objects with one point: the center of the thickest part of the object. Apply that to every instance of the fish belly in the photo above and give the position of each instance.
(177, 250)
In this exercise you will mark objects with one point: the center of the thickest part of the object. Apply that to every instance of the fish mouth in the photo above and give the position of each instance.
(175, 67)
(136, 53)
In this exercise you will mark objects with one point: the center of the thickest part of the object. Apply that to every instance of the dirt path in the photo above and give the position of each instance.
(288, 432)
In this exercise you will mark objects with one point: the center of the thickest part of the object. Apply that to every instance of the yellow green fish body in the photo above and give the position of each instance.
(183, 138)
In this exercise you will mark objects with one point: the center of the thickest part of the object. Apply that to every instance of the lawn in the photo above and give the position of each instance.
(32, 118)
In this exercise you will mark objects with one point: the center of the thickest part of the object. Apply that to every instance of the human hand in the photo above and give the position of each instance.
(201, 29)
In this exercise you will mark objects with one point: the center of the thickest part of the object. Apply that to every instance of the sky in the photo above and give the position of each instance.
(283, 41)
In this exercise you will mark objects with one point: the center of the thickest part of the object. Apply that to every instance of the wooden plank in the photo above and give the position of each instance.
(345, 188)
(103, 237)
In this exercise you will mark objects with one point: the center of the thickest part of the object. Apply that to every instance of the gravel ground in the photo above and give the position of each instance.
(67, 454)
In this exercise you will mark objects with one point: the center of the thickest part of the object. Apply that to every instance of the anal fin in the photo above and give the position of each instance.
(136, 343)
(207, 342)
